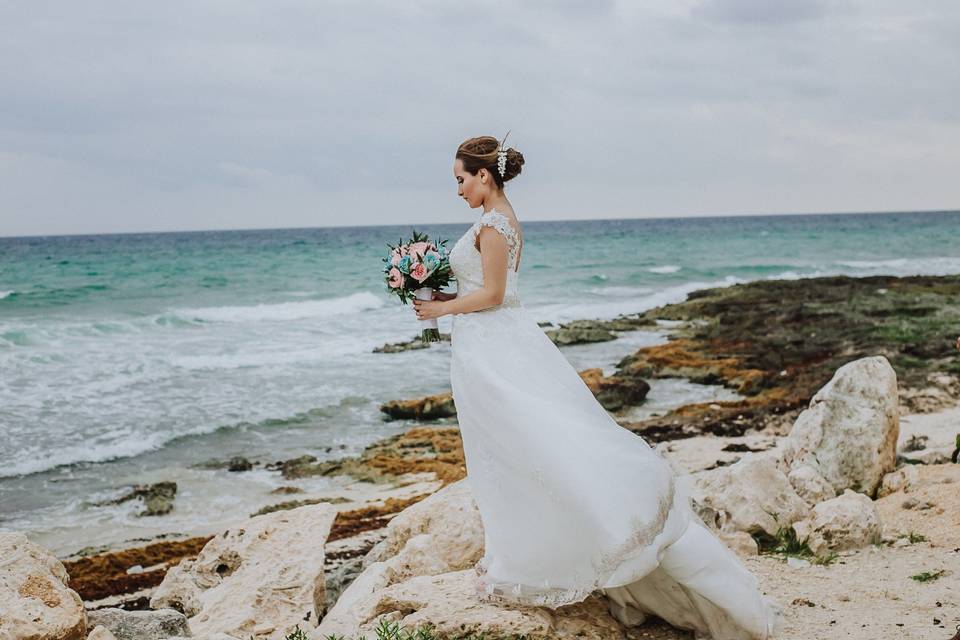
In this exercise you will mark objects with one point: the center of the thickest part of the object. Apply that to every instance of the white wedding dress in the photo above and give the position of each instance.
(571, 502)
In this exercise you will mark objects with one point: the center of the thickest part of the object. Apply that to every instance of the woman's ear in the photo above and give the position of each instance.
(483, 176)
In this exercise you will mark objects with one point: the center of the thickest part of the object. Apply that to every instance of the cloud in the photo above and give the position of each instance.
(299, 113)
(761, 12)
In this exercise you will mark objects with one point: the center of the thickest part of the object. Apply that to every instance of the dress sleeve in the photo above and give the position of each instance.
(499, 222)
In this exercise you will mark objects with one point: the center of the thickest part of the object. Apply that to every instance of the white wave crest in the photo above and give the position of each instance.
(620, 291)
(4, 294)
(931, 266)
(300, 310)
(667, 268)
(560, 312)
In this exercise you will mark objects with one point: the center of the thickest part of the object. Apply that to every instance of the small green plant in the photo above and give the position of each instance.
(926, 576)
(785, 543)
(387, 630)
(297, 634)
(914, 538)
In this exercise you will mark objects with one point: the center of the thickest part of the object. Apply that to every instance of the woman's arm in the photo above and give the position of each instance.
(493, 256)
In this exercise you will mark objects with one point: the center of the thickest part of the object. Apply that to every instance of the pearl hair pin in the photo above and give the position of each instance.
(502, 157)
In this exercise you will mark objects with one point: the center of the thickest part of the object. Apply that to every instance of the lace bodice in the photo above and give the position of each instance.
(466, 263)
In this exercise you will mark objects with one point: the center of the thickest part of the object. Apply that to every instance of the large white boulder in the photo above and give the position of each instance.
(35, 601)
(810, 485)
(446, 526)
(262, 577)
(439, 534)
(849, 521)
(751, 495)
(448, 603)
(849, 432)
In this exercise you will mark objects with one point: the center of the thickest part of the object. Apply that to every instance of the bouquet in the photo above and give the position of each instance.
(414, 269)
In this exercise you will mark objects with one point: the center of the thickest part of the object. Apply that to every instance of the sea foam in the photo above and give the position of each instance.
(300, 310)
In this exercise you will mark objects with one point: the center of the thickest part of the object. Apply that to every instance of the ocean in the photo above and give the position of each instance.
(135, 358)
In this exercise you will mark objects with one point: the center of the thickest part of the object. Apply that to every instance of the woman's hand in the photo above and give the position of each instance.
(428, 309)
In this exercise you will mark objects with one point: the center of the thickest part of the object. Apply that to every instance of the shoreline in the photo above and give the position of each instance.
(748, 423)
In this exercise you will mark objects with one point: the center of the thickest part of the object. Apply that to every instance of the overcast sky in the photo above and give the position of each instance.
(136, 116)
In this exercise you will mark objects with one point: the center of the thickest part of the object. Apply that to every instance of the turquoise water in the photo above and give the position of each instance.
(124, 355)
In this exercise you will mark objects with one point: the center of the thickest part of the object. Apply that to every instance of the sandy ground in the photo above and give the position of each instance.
(867, 593)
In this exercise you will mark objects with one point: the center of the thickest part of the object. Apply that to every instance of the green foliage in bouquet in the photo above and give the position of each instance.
(418, 262)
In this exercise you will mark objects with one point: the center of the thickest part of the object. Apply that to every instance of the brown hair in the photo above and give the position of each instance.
(481, 153)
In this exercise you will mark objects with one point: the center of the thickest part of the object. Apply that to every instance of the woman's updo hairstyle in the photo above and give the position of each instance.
(481, 153)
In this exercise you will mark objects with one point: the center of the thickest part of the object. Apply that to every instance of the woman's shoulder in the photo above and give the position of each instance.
(498, 221)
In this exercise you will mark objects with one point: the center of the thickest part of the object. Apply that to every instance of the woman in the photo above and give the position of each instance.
(571, 502)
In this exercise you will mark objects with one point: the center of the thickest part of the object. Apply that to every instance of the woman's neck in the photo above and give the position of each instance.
(499, 205)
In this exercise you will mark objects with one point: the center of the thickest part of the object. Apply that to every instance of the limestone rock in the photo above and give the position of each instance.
(261, 577)
(903, 479)
(139, 625)
(849, 521)
(849, 432)
(35, 601)
(449, 603)
(740, 542)
(451, 523)
(810, 485)
(751, 495)
(101, 633)
(437, 535)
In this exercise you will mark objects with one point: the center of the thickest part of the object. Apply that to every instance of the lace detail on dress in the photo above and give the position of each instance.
(467, 264)
(498, 221)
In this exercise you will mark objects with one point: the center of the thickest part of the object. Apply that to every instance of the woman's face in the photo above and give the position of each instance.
(470, 187)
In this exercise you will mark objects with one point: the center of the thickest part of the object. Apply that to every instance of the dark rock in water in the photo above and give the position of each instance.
(567, 336)
(294, 468)
(157, 498)
(239, 463)
(589, 331)
(140, 625)
(286, 490)
(413, 343)
(615, 392)
(293, 504)
(427, 408)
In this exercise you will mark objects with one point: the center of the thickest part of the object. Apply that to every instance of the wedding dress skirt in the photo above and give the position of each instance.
(571, 502)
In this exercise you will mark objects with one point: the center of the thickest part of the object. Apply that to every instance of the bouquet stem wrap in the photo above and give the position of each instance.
(429, 331)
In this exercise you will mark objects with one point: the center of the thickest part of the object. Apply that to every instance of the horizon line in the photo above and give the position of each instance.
(363, 226)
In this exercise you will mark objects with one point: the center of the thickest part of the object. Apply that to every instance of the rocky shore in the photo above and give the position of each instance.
(832, 476)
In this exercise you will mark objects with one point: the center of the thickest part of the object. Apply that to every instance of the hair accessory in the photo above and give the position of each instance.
(502, 157)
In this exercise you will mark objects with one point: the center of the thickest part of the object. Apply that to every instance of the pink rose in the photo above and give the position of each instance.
(419, 272)
(396, 278)
(419, 248)
(395, 258)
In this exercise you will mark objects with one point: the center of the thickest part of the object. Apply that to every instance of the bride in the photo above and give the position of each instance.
(571, 502)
